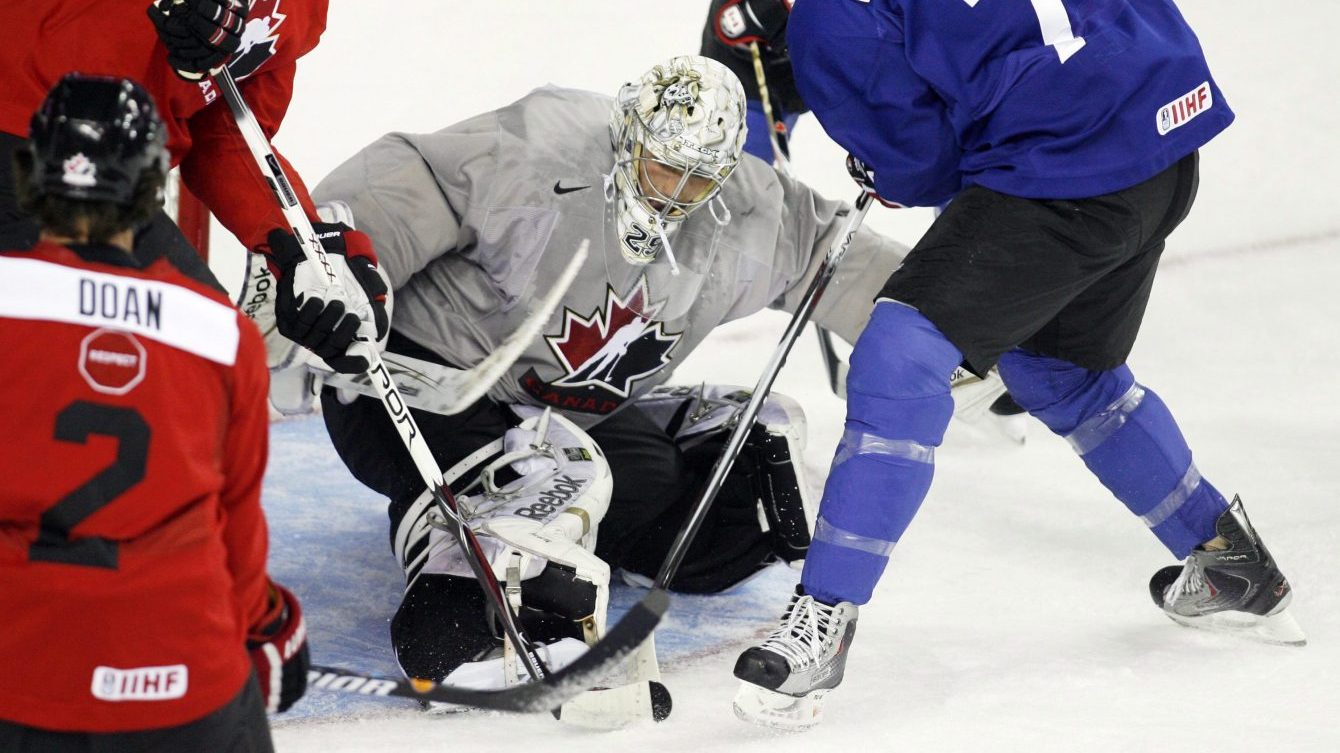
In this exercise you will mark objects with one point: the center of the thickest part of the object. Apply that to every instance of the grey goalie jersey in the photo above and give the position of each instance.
(473, 221)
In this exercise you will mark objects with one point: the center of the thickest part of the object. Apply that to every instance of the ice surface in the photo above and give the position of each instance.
(1015, 614)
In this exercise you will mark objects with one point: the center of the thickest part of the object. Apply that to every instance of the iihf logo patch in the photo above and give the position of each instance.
(1182, 110)
(112, 362)
(79, 171)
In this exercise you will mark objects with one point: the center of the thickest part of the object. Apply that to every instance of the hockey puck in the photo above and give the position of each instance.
(661, 702)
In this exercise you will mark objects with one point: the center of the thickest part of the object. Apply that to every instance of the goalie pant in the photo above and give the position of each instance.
(656, 478)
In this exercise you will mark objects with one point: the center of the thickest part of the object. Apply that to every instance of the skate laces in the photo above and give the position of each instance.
(1189, 582)
(804, 632)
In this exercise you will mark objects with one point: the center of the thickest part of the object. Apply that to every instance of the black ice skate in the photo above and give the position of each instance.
(1235, 590)
(787, 676)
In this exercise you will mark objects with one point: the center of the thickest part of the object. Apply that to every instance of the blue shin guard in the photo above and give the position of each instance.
(1126, 437)
(898, 406)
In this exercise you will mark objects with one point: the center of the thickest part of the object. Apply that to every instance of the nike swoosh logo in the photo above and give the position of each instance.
(560, 189)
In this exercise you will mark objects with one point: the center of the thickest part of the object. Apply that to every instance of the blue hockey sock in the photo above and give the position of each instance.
(898, 406)
(1127, 438)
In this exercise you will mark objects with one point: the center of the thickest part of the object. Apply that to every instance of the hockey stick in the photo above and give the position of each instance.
(745, 420)
(444, 390)
(377, 373)
(620, 642)
(781, 157)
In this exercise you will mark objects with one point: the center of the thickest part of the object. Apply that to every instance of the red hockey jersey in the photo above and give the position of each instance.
(132, 542)
(45, 40)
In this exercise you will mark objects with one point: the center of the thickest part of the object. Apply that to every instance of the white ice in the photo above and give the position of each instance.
(1014, 615)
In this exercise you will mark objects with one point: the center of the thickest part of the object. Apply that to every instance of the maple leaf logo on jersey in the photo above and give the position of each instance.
(604, 354)
(258, 38)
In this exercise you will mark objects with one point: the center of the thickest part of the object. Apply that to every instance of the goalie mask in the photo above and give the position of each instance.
(677, 135)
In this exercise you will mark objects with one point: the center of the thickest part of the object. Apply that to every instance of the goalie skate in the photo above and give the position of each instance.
(788, 675)
(1238, 590)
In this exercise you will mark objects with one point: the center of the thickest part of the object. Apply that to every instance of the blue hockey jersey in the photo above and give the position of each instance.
(1034, 98)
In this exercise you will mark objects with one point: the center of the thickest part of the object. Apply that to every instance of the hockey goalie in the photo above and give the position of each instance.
(580, 462)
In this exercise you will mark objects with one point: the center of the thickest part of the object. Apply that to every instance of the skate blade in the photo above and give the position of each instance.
(1278, 629)
(777, 710)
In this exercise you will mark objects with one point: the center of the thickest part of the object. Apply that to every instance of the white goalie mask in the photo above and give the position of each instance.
(677, 134)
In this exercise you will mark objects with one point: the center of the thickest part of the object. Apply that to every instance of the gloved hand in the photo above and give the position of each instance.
(278, 648)
(740, 22)
(310, 313)
(864, 176)
(200, 35)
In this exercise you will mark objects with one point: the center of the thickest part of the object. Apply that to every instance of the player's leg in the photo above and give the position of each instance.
(991, 271)
(1129, 439)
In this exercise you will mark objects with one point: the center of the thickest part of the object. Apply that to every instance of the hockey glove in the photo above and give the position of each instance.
(864, 176)
(278, 648)
(200, 35)
(739, 23)
(309, 312)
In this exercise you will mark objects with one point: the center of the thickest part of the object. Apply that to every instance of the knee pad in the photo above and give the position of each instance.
(1059, 393)
(900, 370)
(772, 455)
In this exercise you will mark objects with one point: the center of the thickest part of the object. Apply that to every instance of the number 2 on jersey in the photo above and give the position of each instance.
(80, 420)
(1055, 24)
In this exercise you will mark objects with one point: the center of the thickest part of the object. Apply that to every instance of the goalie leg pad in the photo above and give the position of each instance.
(536, 501)
(772, 456)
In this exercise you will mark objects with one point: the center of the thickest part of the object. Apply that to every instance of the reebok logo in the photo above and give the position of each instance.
(561, 189)
(553, 498)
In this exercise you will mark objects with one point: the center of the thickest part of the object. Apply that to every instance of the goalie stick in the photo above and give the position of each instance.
(546, 694)
(833, 364)
(449, 516)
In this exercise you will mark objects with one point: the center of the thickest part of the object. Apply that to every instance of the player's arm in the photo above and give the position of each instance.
(411, 193)
(276, 632)
(851, 68)
(221, 170)
(810, 226)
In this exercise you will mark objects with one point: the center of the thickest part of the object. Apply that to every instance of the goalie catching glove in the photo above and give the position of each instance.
(536, 501)
(311, 312)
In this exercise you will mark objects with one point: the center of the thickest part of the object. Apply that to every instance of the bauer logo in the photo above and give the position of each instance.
(112, 362)
(140, 683)
(732, 21)
(1184, 109)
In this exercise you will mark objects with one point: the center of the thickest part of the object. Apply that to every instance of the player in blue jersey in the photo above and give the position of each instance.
(1065, 135)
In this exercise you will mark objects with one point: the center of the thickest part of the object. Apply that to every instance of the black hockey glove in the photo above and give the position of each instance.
(739, 22)
(200, 35)
(309, 312)
(278, 649)
(864, 176)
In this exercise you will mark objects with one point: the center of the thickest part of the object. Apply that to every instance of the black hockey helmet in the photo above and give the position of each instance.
(93, 139)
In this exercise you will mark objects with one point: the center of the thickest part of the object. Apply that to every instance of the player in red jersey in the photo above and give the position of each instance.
(171, 52)
(132, 543)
